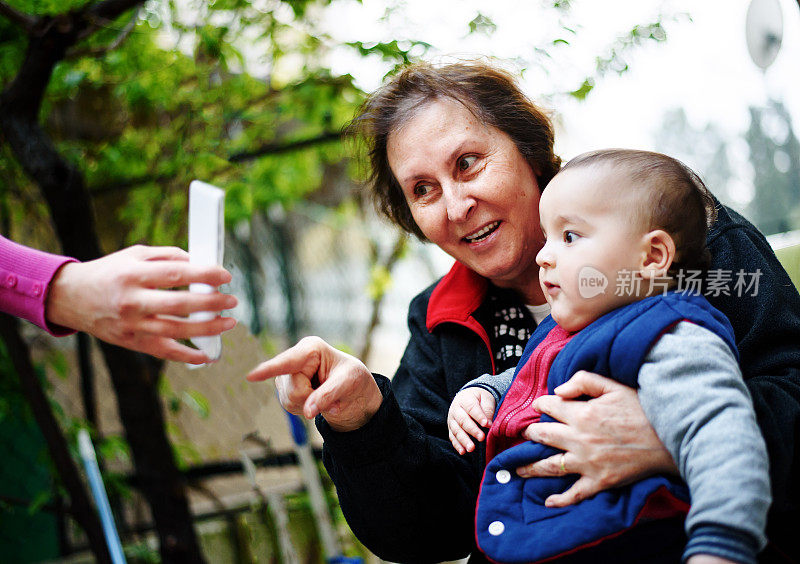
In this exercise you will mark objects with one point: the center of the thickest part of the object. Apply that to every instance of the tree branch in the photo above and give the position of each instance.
(278, 148)
(399, 248)
(24, 20)
(110, 9)
(267, 149)
(102, 14)
(128, 183)
(75, 53)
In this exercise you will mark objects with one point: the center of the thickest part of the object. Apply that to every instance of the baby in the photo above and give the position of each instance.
(622, 229)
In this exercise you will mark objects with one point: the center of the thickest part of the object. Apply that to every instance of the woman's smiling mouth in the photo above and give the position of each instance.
(482, 233)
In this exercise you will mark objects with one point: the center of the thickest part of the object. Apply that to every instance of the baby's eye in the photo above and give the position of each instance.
(422, 189)
(570, 237)
(465, 162)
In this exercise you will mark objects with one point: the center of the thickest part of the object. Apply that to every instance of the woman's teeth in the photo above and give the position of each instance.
(483, 233)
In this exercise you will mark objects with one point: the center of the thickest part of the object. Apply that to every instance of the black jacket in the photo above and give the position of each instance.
(410, 497)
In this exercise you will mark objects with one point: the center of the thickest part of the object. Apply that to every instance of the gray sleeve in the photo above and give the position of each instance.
(692, 391)
(495, 384)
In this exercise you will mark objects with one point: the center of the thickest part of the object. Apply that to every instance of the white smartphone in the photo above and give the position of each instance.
(206, 247)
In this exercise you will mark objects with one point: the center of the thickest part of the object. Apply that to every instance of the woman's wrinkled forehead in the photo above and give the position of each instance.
(412, 105)
(435, 135)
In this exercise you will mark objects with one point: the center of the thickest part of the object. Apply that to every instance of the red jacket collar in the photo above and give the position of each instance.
(456, 297)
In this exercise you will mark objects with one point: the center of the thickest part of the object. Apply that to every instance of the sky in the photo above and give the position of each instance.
(703, 66)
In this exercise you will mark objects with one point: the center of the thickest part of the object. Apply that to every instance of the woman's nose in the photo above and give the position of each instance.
(459, 200)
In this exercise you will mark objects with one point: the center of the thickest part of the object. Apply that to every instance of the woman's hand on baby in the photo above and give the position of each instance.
(607, 439)
(471, 409)
(314, 378)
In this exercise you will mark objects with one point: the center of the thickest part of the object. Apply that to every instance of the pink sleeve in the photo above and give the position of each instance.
(25, 276)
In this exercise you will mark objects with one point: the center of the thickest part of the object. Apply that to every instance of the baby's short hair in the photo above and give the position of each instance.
(670, 196)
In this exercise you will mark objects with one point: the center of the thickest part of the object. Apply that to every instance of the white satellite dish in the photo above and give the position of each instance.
(764, 31)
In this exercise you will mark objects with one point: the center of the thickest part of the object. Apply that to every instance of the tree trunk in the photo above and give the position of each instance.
(80, 507)
(134, 376)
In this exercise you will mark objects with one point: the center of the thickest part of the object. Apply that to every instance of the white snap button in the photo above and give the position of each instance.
(503, 476)
(496, 528)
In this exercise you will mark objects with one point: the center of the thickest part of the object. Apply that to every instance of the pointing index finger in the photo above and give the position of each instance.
(291, 361)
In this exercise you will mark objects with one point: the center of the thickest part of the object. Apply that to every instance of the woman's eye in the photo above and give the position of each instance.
(570, 236)
(422, 189)
(465, 162)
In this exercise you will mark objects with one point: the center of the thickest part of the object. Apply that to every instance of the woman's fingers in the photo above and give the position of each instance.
(556, 435)
(557, 407)
(549, 467)
(144, 252)
(344, 388)
(183, 329)
(178, 303)
(347, 395)
(167, 349)
(293, 390)
(607, 439)
(297, 389)
(304, 358)
(583, 488)
(558, 465)
(174, 273)
(326, 398)
(585, 383)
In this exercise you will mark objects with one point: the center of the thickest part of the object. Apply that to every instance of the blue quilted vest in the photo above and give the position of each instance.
(642, 522)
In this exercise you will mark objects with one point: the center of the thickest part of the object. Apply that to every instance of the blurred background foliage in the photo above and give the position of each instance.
(241, 94)
(160, 109)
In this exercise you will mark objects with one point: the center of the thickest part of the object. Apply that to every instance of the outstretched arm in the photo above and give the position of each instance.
(118, 298)
(121, 299)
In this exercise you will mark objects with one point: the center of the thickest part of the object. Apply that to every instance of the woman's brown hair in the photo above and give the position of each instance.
(490, 93)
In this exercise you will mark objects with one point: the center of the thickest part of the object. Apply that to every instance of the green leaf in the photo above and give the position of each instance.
(39, 500)
(380, 280)
(584, 89)
(196, 401)
(56, 360)
(482, 24)
(114, 447)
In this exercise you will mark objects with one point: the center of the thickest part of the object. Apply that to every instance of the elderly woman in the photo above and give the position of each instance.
(459, 158)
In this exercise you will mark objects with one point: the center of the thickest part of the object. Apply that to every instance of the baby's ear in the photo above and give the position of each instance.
(658, 254)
